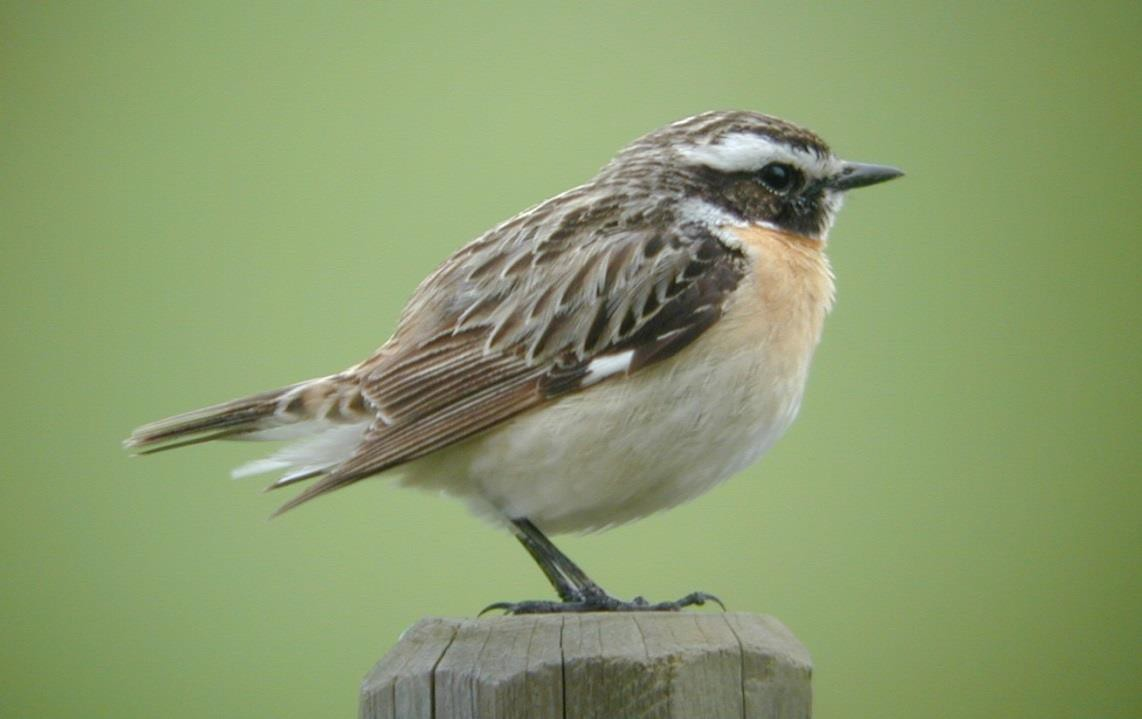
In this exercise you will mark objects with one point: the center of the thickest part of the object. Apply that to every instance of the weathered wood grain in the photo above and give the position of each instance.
(636, 666)
(776, 669)
(401, 684)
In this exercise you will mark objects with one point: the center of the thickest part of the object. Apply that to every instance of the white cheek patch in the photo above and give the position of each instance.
(833, 201)
(708, 214)
(747, 152)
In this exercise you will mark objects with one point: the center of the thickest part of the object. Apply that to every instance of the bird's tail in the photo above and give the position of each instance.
(228, 420)
(287, 413)
(325, 417)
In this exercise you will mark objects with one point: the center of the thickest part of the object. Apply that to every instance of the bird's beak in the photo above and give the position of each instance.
(859, 174)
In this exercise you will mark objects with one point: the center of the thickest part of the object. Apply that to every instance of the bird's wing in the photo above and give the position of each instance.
(511, 321)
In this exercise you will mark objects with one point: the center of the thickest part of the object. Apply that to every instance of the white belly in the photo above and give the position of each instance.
(635, 445)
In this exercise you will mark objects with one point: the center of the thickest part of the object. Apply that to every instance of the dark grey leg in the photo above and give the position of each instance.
(578, 592)
(551, 561)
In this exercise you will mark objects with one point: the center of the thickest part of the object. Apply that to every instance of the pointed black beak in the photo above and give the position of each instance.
(859, 174)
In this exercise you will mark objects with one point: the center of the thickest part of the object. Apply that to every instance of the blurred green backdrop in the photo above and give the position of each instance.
(199, 200)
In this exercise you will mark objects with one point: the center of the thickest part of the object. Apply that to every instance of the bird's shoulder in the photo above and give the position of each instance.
(583, 275)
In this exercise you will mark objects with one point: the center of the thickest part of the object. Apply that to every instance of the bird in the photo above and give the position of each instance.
(609, 353)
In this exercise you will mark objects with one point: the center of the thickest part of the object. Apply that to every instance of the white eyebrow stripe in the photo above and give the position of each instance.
(602, 367)
(746, 152)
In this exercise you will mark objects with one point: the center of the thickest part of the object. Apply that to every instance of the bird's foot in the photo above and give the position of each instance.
(599, 601)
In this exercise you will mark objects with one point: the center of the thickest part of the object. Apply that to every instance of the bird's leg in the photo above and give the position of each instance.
(548, 558)
(578, 592)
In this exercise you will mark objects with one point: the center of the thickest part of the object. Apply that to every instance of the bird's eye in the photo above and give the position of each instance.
(778, 176)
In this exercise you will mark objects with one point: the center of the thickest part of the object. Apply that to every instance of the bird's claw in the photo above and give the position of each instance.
(601, 602)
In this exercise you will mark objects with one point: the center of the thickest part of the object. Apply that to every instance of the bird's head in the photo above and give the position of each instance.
(746, 167)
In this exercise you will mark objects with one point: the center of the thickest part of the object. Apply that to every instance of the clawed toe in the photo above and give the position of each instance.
(600, 602)
(694, 599)
(576, 590)
(531, 607)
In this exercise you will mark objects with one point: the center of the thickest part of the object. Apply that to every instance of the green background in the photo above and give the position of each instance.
(200, 200)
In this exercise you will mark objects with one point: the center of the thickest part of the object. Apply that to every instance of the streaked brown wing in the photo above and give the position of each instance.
(508, 323)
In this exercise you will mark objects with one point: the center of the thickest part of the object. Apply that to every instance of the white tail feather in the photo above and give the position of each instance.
(324, 447)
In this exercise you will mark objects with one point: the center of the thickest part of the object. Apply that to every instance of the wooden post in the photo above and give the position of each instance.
(627, 666)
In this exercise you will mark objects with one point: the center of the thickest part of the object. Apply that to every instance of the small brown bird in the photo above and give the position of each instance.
(611, 352)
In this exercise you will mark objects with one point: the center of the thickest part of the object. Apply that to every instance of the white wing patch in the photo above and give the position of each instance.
(606, 366)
